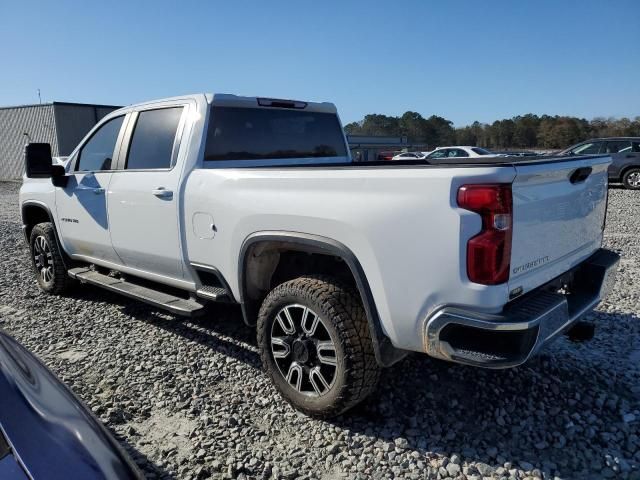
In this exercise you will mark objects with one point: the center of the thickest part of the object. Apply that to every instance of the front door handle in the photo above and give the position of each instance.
(98, 191)
(162, 192)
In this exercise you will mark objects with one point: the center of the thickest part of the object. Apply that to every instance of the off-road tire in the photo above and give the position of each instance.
(340, 308)
(58, 282)
(628, 175)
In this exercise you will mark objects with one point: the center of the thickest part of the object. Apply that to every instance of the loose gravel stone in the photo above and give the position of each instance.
(188, 399)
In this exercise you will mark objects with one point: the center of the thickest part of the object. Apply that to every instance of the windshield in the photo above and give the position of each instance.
(269, 133)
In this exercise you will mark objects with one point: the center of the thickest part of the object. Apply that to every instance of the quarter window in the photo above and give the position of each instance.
(97, 153)
(618, 146)
(153, 139)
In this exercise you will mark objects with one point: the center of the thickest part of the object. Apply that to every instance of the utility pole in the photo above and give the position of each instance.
(39, 98)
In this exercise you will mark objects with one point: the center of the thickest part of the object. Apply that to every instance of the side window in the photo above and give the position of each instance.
(97, 153)
(153, 139)
(619, 146)
(587, 148)
(457, 153)
(439, 153)
(635, 147)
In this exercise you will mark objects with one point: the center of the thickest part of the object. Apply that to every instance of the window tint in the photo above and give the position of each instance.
(456, 152)
(587, 148)
(97, 153)
(153, 138)
(618, 146)
(481, 151)
(439, 153)
(635, 147)
(254, 133)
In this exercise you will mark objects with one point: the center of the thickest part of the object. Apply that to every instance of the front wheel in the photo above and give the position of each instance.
(314, 342)
(50, 270)
(631, 179)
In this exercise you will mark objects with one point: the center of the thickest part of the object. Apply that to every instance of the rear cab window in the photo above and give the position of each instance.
(262, 136)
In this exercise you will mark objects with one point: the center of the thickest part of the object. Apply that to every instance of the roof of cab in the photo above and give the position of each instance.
(229, 100)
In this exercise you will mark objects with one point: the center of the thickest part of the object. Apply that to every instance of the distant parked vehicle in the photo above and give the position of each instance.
(387, 155)
(459, 152)
(410, 156)
(625, 156)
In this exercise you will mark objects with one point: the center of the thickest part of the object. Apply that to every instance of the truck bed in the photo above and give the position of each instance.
(441, 162)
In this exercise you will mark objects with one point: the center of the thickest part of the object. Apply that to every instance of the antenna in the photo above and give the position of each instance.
(39, 97)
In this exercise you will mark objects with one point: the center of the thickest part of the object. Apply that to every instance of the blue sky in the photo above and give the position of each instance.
(464, 60)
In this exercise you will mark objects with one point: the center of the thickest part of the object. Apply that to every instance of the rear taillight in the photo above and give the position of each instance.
(489, 252)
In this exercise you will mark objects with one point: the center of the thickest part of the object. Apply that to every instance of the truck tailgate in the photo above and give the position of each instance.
(558, 218)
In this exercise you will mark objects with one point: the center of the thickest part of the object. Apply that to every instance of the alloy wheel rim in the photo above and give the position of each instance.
(43, 259)
(303, 350)
(634, 179)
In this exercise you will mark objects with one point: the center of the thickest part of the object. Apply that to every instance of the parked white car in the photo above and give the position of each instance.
(411, 156)
(459, 152)
(342, 267)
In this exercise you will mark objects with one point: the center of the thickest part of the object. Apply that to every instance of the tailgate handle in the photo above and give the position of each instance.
(580, 174)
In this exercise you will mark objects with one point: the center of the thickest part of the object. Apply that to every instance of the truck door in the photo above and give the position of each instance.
(81, 206)
(144, 193)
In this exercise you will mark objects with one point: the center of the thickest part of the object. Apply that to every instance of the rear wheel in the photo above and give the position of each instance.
(314, 342)
(631, 179)
(51, 273)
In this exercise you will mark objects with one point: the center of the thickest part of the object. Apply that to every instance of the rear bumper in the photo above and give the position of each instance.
(525, 325)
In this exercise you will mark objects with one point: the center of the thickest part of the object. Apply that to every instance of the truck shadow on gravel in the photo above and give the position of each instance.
(561, 413)
(551, 414)
(220, 329)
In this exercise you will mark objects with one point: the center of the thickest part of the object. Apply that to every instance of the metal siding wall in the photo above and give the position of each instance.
(73, 122)
(38, 122)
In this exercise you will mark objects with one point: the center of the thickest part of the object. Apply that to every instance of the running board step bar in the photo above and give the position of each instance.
(214, 294)
(176, 305)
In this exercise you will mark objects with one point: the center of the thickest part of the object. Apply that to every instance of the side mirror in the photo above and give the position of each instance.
(38, 161)
(59, 176)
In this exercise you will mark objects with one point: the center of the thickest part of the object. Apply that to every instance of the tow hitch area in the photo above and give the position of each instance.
(581, 331)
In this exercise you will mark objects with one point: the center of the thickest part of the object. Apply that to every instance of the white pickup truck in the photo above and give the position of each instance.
(344, 267)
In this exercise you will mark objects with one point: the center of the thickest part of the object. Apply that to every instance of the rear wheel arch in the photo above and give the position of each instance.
(260, 258)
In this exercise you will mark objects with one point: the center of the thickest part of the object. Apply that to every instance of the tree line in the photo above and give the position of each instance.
(522, 131)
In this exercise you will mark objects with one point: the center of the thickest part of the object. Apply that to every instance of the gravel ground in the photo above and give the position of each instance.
(188, 399)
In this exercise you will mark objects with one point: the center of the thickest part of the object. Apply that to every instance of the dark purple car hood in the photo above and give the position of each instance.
(51, 433)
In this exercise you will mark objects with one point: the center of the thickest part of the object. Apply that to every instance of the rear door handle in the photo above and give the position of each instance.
(162, 192)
